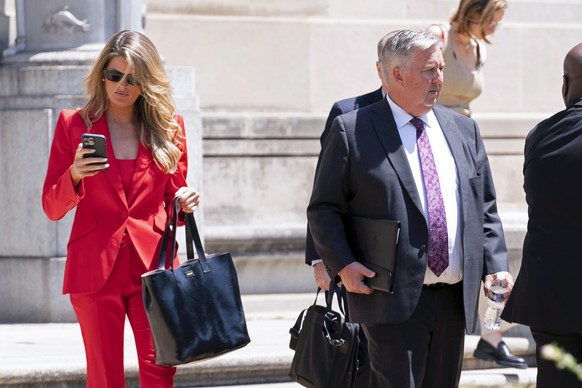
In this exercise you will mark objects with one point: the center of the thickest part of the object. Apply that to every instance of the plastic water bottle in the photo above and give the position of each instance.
(492, 318)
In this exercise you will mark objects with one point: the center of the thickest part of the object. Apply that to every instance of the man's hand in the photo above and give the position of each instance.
(353, 278)
(321, 276)
(507, 283)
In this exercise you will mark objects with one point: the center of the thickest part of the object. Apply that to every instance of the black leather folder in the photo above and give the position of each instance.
(374, 243)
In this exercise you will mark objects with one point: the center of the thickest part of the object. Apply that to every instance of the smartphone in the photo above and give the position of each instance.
(96, 142)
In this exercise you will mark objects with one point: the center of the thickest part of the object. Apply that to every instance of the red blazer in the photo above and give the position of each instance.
(103, 212)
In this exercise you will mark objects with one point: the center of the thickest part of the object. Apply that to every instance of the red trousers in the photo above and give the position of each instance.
(101, 316)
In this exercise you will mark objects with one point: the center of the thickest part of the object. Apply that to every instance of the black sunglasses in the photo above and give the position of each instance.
(116, 76)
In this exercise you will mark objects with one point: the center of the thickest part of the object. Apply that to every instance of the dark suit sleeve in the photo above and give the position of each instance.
(338, 108)
(310, 251)
(494, 248)
(335, 111)
(328, 202)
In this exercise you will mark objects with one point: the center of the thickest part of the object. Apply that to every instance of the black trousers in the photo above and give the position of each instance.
(363, 375)
(424, 351)
(549, 375)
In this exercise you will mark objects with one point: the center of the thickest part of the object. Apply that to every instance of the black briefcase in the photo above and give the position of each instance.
(325, 344)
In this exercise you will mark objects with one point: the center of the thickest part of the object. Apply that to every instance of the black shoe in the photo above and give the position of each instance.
(501, 355)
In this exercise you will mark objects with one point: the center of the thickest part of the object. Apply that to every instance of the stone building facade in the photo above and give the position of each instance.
(256, 79)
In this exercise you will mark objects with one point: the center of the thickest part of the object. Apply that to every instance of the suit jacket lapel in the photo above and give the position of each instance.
(387, 133)
(454, 138)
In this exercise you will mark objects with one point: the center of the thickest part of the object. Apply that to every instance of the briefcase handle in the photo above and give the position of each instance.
(191, 235)
(340, 294)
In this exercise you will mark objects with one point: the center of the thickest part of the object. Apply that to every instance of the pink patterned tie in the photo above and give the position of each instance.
(438, 240)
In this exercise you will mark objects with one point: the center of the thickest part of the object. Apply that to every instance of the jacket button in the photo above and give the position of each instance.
(423, 248)
(124, 214)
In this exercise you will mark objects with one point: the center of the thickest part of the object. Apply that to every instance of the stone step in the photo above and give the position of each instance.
(52, 355)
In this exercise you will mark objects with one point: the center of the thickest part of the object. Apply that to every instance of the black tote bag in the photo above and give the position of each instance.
(195, 310)
(325, 345)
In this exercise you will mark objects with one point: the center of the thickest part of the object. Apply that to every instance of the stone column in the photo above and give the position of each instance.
(6, 24)
(41, 73)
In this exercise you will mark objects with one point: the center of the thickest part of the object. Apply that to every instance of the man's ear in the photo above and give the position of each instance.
(397, 75)
(565, 87)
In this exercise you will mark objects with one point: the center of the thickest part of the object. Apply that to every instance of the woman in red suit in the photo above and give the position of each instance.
(120, 204)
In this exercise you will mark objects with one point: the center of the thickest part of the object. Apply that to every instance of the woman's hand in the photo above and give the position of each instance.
(189, 199)
(83, 167)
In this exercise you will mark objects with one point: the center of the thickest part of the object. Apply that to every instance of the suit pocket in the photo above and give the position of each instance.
(82, 226)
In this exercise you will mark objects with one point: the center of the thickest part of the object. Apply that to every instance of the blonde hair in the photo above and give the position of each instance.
(155, 110)
(482, 10)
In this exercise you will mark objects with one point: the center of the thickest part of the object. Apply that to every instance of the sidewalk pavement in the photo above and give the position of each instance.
(51, 355)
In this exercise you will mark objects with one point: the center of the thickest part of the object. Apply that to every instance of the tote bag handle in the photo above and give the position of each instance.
(193, 235)
(169, 233)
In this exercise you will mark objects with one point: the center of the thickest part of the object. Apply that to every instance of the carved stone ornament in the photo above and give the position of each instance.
(65, 21)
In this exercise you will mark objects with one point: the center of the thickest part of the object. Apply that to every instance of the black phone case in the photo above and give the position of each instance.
(96, 142)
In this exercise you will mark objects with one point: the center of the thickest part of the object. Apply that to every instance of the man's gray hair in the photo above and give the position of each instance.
(397, 46)
(382, 43)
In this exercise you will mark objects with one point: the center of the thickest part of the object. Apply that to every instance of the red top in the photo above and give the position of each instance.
(126, 167)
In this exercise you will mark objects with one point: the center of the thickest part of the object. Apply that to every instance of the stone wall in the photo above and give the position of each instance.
(267, 72)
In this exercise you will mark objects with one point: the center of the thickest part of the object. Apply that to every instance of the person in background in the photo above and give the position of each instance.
(465, 51)
(377, 162)
(338, 108)
(121, 202)
(312, 258)
(465, 54)
(547, 286)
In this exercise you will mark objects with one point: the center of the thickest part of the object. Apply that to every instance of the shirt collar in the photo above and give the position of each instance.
(573, 102)
(401, 117)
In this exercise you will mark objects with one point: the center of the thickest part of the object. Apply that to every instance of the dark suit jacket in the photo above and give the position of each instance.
(548, 284)
(364, 171)
(338, 108)
(348, 105)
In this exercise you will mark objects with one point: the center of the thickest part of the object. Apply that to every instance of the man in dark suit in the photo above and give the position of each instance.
(311, 256)
(546, 291)
(371, 166)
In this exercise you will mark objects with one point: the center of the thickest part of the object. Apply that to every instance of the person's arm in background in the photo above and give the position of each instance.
(312, 258)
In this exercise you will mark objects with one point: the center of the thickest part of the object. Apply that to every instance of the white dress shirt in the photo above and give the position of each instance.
(448, 178)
